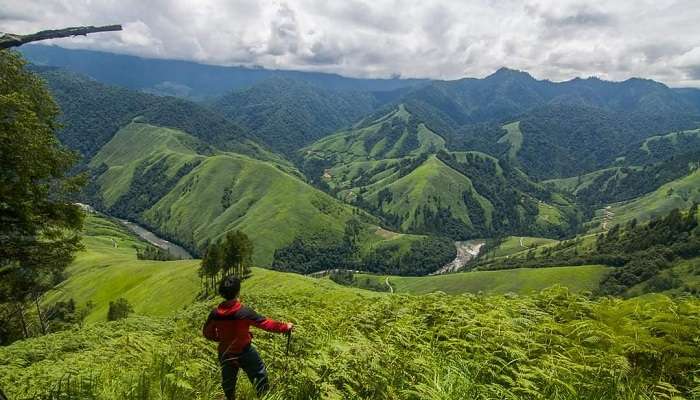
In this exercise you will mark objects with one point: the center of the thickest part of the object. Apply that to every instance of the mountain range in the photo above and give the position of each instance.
(372, 171)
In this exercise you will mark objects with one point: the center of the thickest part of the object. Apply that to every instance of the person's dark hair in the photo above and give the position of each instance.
(230, 287)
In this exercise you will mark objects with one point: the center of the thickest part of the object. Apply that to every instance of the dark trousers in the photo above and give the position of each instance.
(251, 363)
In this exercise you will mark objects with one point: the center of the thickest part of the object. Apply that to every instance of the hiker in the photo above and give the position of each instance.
(229, 325)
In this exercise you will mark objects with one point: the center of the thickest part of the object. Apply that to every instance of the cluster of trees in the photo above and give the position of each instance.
(626, 183)
(154, 253)
(119, 309)
(230, 256)
(650, 248)
(319, 253)
(39, 224)
(423, 257)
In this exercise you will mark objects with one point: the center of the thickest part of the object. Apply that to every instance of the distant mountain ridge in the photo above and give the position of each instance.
(289, 113)
(188, 79)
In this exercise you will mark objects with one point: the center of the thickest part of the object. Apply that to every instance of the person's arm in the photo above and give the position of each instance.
(266, 324)
(209, 330)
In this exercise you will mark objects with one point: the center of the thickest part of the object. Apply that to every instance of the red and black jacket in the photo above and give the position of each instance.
(229, 325)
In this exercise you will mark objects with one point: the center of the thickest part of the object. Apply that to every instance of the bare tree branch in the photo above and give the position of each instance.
(8, 40)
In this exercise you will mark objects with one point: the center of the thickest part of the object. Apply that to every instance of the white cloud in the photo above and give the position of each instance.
(553, 39)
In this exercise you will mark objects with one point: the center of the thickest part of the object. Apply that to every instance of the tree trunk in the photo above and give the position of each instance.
(42, 323)
(22, 321)
(9, 40)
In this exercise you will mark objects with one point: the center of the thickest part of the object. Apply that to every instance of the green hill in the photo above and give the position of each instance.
(553, 344)
(680, 193)
(170, 181)
(394, 166)
(92, 113)
(192, 193)
(520, 281)
(108, 269)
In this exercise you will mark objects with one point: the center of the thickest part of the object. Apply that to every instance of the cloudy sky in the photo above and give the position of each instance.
(551, 39)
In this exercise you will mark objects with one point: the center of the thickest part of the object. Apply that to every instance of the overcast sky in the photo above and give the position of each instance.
(551, 39)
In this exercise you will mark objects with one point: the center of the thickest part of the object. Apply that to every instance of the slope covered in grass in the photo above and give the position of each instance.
(521, 281)
(356, 344)
(680, 193)
(191, 193)
(108, 269)
(516, 244)
(395, 166)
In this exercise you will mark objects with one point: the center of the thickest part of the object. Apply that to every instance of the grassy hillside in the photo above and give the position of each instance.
(680, 193)
(521, 281)
(351, 343)
(517, 244)
(185, 190)
(393, 165)
(108, 269)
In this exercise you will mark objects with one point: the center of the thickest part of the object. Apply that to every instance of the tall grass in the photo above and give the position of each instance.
(554, 345)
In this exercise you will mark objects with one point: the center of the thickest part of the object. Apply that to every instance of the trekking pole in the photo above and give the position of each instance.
(289, 342)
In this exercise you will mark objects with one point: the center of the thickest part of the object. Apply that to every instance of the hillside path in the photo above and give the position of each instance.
(391, 289)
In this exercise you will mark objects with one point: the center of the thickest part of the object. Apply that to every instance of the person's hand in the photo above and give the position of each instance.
(290, 326)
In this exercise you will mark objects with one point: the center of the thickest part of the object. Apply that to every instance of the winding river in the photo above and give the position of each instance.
(151, 238)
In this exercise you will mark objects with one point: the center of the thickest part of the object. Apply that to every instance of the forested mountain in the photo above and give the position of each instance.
(287, 114)
(187, 79)
(508, 93)
(565, 128)
(454, 160)
(92, 112)
(399, 169)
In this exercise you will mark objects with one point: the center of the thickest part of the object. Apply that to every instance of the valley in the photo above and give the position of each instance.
(496, 237)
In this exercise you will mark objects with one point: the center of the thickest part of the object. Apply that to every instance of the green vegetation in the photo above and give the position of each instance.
(617, 184)
(516, 244)
(287, 114)
(514, 139)
(394, 166)
(523, 281)
(119, 309)
(93, 112)
(161, 177)
(108, 269)
(230, 256)
(351, 343)
(680, 193)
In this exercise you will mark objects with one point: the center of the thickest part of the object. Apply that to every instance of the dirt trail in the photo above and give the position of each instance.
(391, 289)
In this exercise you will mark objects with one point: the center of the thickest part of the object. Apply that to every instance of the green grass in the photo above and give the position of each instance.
(354, 344)
(512, 245)
(521, 281)
(102, 273)
(514, 138)
(270, 205)
(680, 193)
